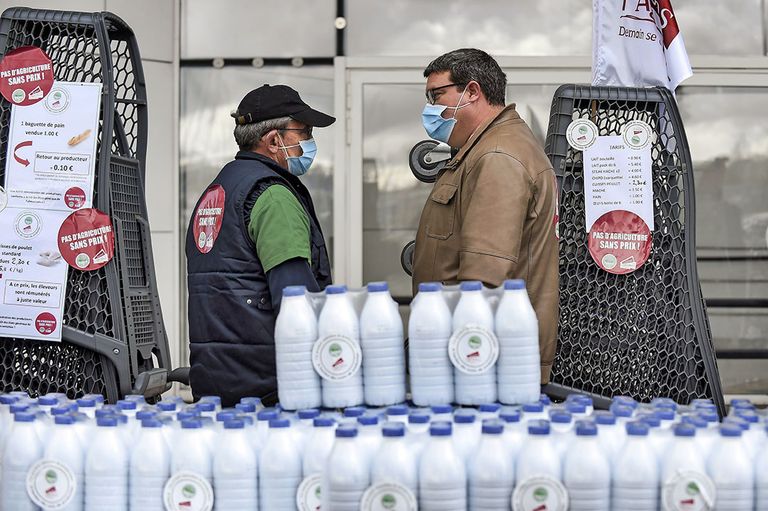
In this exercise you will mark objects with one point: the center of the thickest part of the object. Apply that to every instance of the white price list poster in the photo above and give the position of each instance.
(617, 177)
(50, 168)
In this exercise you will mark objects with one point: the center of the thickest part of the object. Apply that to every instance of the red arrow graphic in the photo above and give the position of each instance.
(19, 146)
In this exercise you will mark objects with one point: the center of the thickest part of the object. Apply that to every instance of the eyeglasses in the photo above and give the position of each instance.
(307, 130)
(431, 92)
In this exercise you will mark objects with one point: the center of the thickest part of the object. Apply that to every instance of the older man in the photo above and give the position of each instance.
(254, 231)
(491, 215)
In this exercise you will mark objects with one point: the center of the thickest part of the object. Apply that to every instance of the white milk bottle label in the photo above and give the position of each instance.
(541, 493)
(473, 349)
(51, 484)
(336, 357)
(388, 496)
(309, 495)
(688, 490)
(187, 491)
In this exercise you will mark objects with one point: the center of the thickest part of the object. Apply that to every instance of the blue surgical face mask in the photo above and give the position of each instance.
(438, 127)
(299, 165)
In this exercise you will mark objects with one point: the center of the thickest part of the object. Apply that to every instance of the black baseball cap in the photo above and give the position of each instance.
(274, 101)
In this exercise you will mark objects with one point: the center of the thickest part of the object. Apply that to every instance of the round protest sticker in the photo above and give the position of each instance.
(637, 135)
(45, 323)
(336, 357)
(688, 490)
(388, 496)
(308, 496)
(26, 75)
(540, 494)
(208, 217)
(187, 491)
(473, 349)
(620, 242)
(74, 198)
(51, 484)
(86, 239)
(581, 134)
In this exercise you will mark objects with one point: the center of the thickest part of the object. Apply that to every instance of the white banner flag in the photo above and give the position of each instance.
(637, 43)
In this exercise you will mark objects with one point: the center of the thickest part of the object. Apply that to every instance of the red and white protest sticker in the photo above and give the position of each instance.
(86, 239)
(26, 75)
(620, 242)
(45, 323)
(74, 198)
(208, 218)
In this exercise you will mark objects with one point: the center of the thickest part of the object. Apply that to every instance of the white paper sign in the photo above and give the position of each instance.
(616, 176)
(52, 149)
(50, 168)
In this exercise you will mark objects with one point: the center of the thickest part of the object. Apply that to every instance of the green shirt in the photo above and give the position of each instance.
(279, 227)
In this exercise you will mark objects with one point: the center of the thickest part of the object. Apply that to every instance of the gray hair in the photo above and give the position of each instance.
(247, 136)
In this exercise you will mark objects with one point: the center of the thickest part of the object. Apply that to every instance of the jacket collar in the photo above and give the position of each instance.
(272, 164)
(508, 114)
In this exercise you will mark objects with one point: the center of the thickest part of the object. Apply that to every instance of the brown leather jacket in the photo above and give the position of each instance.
(491, 217)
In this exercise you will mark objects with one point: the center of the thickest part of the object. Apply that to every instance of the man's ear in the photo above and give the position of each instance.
(473, 90)
(270, 141)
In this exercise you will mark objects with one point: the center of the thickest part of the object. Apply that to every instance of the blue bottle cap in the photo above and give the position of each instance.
(730, 430)
(247, 419)
(513, 284)
(18, 407)
(368, 420)
(205, 406)
(544, 400)
(63, 409)
(740, 400)
(586, 428)
(256, 401)
(604, 418)
(279, 423)
(308, 413)
(748, 415)
(560, 417)
(684, 430)
(418, 418)
(47, 401)
(463, 417)
(622, 410)
(694, 420)
(245, 407)
(393, 429)
(663, 401)
(665, 414)
(377, 287)
(346, 431)
(216, 400)
(636, 428)
(151, 423)
(191, 424)
(429, 287)
(490, 407)
(126, 405)
(8, 399)
(24, 417)
(440, 428)
(120, 418)
(323, 422)
(442, 409)
(267, 414)
(510, 415)
(709, 416)
(471, 285)
(145, 414)
(97, 397)
(234, 424)
(538, 427)
(294, 290)
(650, 419)
(493, 427)
(533, 408)
(86, 402)
(397, 410)
(166, 406)
(744, 425)
(335, 290)
(109, 421)
(186, 415)
(225, 415)
(624, 400)
(354, 411)
(576, 407)
(66, 420)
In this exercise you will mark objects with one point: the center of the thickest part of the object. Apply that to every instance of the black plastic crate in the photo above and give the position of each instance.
(113, 325)
(643, 334)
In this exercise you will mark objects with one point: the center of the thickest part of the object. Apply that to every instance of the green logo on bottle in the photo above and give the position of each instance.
(51, 476)
(692, 488)
(475, 342)
(540, 494)
(388, 501)
(334, 349)
(189, 491)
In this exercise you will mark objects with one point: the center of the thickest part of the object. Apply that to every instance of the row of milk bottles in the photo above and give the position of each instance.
(470, 355)
(473, 355)
(339, 359)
